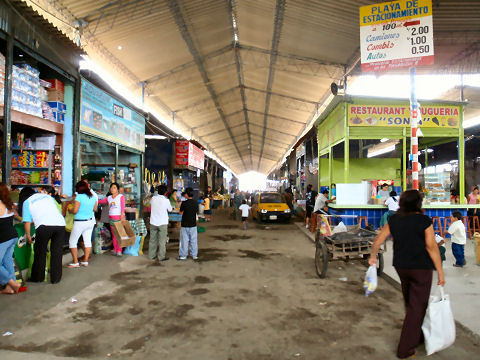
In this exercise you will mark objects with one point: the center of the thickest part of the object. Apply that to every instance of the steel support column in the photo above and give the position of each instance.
(7, 121)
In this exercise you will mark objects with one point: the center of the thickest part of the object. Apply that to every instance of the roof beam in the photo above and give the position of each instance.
(277, 131)
(282, 95)
(214, 121)
(205, 100)
(290, 56)
(238, 64)
(182, 27)
(277, 117)
(277, 28)
(187, 65)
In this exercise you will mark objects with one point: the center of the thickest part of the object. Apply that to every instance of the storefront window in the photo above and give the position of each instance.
(129, 165)
(97, 160)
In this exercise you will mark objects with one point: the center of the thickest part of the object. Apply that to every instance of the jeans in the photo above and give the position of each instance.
(158, 241)
(7, 270)
(459, 253)
(188, 239)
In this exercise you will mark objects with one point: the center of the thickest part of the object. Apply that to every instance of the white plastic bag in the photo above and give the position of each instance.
(370, 283)
(339, 228)
(438, 325)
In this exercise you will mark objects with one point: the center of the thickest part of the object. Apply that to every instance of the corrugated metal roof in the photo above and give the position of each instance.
(219, 87)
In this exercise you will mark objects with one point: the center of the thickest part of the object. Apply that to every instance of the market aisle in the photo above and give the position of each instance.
(253, 295)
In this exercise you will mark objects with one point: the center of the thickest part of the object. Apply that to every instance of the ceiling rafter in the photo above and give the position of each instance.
(238, 63)
(182, 26)
(277, 28)
(206, 100)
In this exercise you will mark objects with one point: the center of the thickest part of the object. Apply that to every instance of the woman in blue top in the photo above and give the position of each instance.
(85, 204)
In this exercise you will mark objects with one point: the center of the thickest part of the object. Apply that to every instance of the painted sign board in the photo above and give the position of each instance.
(396, 34)
(103, 116)
(433, 116)
(187, 154)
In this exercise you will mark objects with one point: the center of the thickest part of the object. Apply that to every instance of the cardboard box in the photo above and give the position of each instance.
(58, 106)
(56, 85)
(56, 95)
(124, 233)
(59, 117)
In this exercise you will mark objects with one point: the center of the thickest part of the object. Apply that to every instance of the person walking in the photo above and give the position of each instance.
(40, 208)
(84, 207)
(289, 198)
(245, 209)
(237, 201)
(459, 238)
(8, 239)
(310, 197)
(188, 230)
(159, 225)
(116, 212)
(207, 208)
(415, 255)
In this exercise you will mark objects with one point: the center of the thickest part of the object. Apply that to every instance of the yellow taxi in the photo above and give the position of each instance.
(270, 206)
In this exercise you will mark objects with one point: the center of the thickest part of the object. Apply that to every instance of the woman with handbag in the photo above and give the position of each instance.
(415, 255)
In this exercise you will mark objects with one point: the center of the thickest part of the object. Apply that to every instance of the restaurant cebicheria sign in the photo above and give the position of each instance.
(433, 116)
(396, 34)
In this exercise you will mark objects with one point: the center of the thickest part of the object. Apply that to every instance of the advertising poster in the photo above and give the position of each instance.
(105, 117)
(433, 116)
(396, 34)
(187, 154)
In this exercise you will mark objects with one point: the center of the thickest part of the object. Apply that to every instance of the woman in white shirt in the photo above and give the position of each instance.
(40, 209)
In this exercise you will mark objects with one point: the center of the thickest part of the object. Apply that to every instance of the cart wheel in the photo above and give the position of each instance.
(380, 264)
(321, 258)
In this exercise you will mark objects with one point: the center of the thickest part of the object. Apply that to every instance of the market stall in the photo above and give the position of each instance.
(364, 142)
(38, 82)
(111, 145)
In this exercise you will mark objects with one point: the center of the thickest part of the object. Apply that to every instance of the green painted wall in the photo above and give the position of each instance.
(361, 169)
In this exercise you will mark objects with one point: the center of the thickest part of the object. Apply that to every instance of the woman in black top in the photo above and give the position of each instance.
(8, 239)
(415, 255)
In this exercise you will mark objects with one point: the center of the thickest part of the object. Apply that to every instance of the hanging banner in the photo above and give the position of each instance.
(187, 154)
(103, 116)
(396, 34)
(433, 116)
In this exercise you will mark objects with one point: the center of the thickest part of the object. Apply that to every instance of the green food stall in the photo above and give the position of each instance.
(364, 142)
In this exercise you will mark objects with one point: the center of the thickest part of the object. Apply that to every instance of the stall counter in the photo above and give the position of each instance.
(374, 212)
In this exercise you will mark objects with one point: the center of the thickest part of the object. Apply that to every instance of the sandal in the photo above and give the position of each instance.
(84, 263)
(73, 265)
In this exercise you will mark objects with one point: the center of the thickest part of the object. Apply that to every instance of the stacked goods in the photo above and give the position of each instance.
(19, 177)
(25, 89)
(55, 100)
(30, 159)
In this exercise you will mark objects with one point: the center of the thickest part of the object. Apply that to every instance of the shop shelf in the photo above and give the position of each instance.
(18, 150)
(31, 185)
(34, 121)
(29, 168)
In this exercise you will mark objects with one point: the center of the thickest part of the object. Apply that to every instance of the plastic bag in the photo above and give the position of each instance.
(370, 283)
(438, 325)
(134, 249)
(339, 228)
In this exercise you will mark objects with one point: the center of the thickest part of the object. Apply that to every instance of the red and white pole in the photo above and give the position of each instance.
(415, 115)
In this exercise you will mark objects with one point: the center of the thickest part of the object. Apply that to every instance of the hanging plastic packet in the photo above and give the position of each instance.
(370, 283)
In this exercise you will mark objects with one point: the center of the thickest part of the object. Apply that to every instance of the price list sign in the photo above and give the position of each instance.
(396, 34)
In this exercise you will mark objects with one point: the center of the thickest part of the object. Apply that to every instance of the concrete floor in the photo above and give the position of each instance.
(253, 295)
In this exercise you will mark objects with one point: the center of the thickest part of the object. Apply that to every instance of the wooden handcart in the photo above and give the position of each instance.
(355, 244)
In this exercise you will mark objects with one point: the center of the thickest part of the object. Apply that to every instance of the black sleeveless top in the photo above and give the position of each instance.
(409, 249)
(7, 231)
